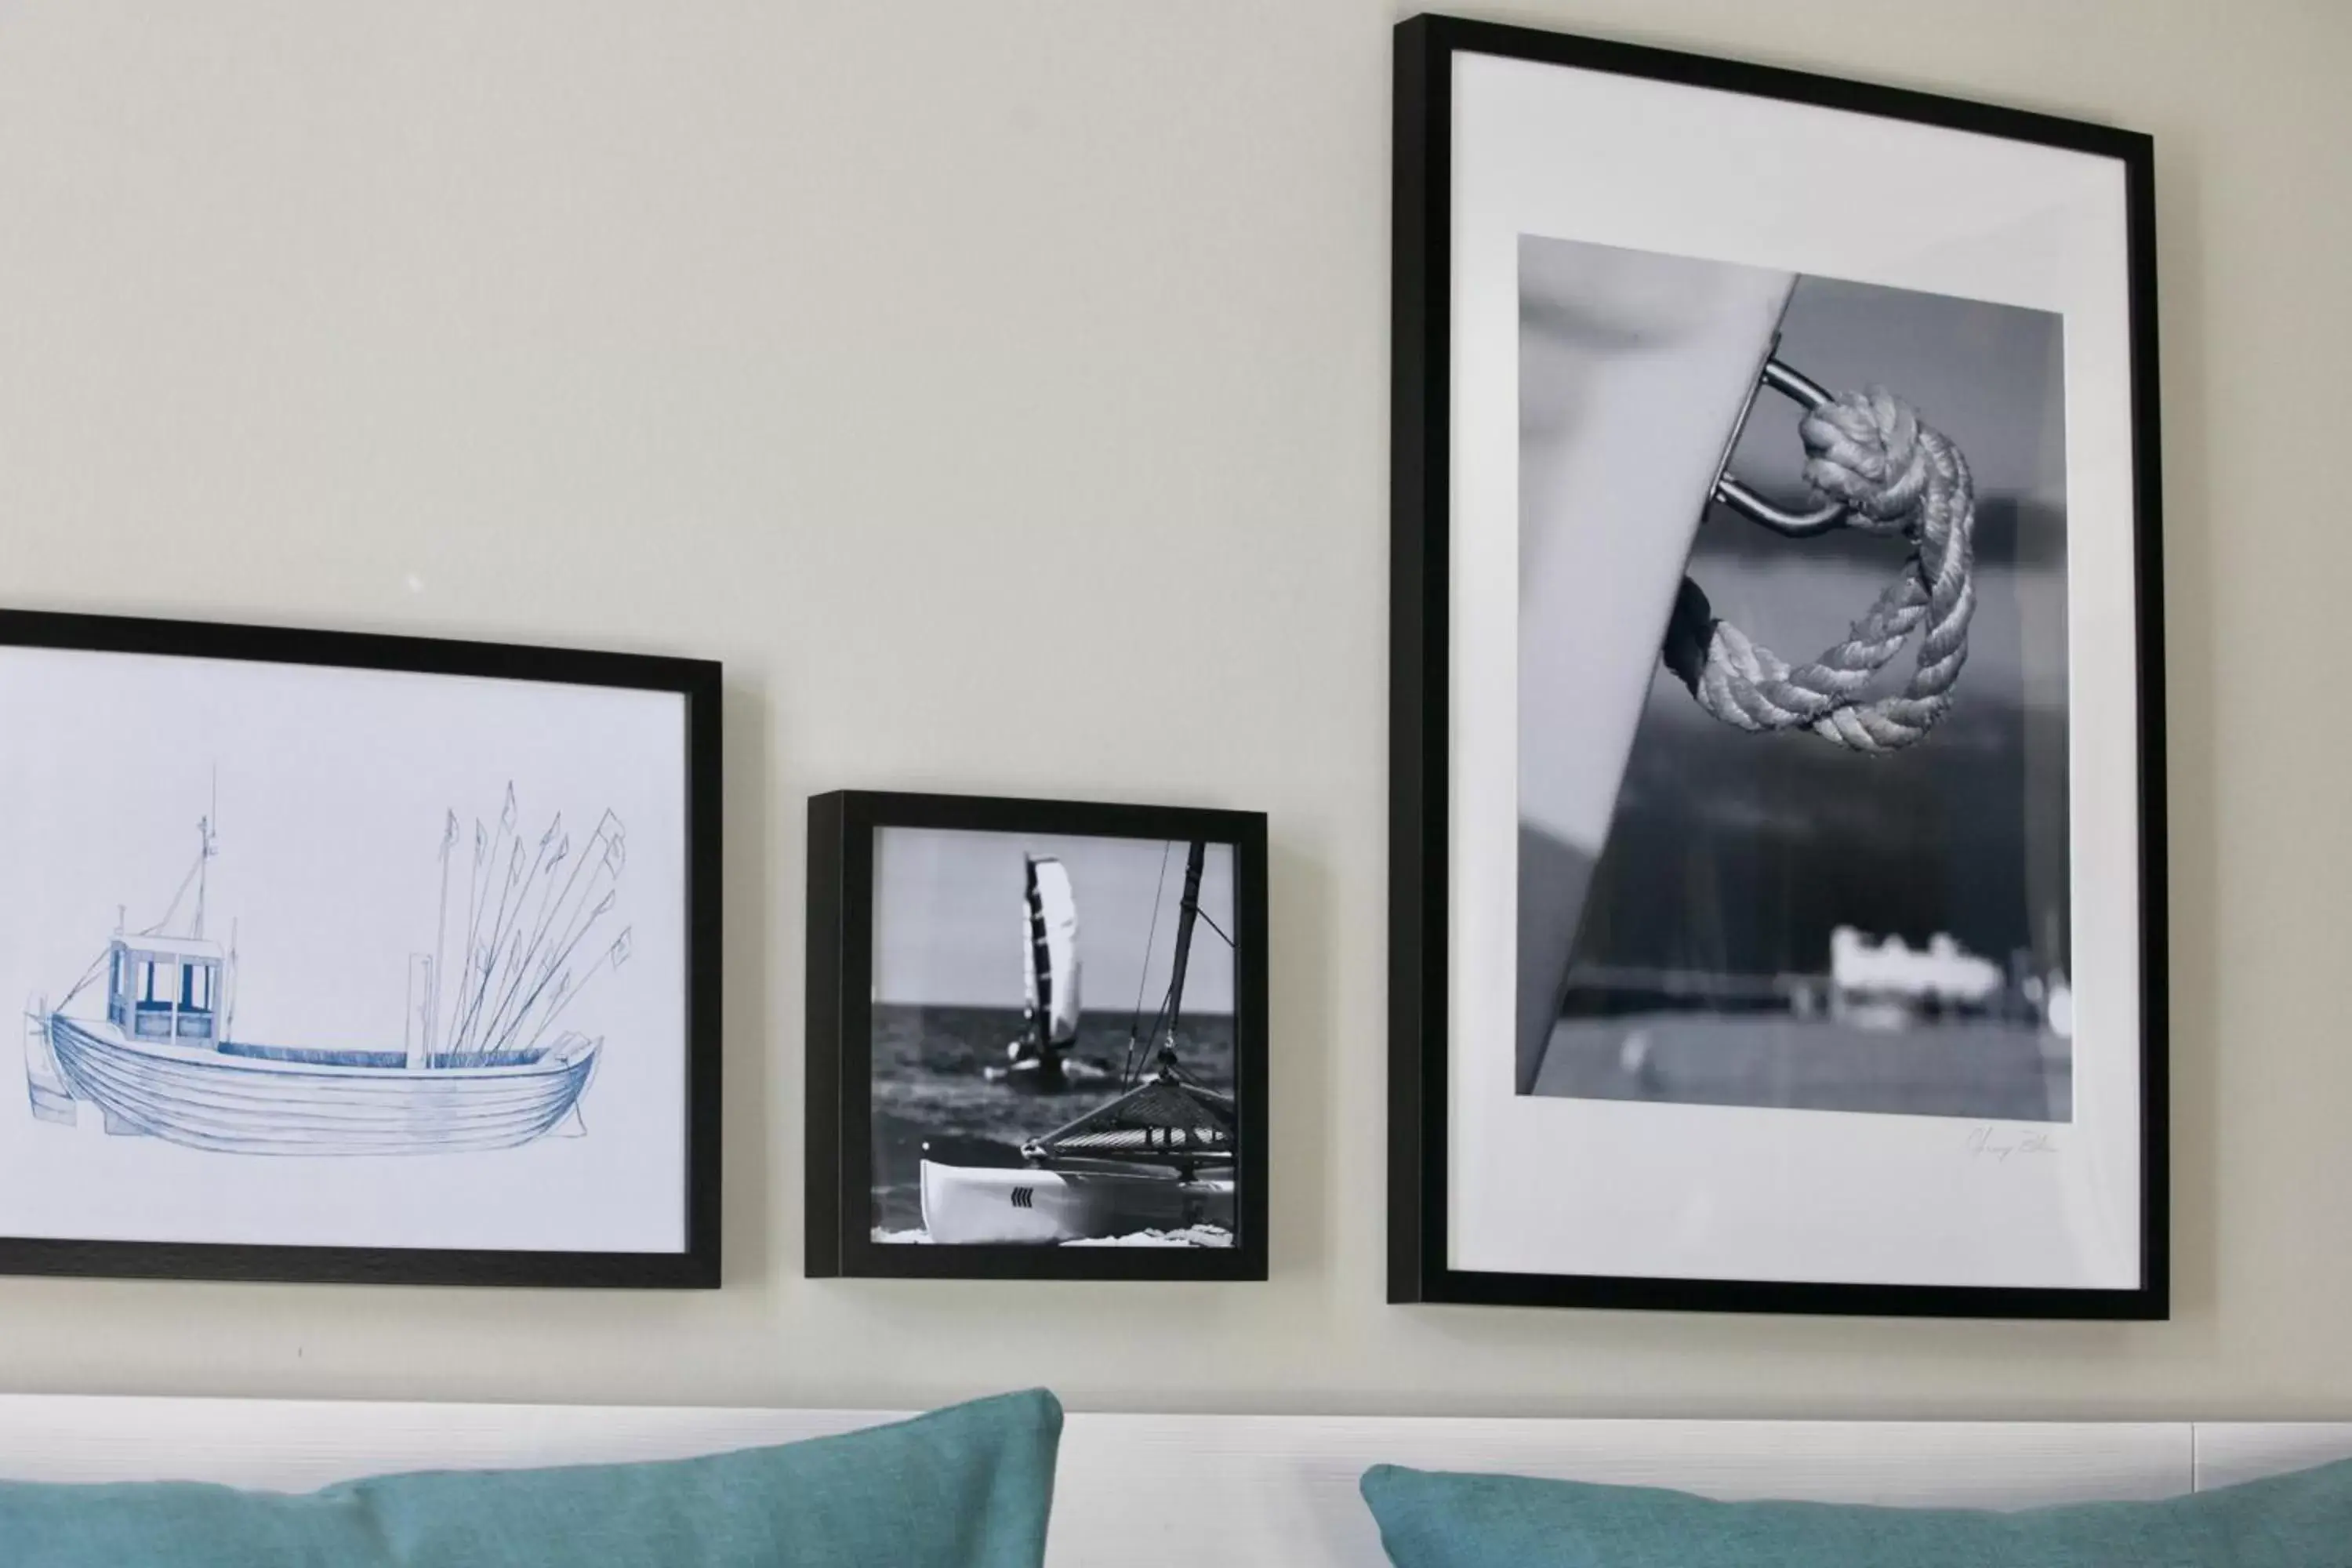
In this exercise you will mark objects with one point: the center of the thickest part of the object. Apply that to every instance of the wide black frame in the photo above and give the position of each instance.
(839, 1039)
(699, 682)
(1420, 609)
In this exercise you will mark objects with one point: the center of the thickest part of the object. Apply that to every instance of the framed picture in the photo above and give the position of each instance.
(1776, 785)
(357, 958)
(1036, 1039)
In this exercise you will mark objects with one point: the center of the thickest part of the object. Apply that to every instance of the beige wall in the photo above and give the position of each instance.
(823, 339)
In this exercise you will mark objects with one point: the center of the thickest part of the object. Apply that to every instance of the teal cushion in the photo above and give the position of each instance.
(967, 1487)
(1431, 1519)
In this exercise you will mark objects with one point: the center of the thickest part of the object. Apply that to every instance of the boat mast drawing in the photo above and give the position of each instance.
(1159, 1156)
(483, 1064)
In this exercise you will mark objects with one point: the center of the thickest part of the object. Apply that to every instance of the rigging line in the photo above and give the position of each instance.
(1202, 916)
(157, 929)
(1133, 1071)
(1143, 978)
(82, 984)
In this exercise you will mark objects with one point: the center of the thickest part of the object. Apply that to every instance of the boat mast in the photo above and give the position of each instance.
(1041, 963)
(1167, 1119)
(205, 852)
(440, 935)
(1188, 910)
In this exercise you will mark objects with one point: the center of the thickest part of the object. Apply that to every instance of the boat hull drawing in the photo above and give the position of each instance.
(259, 1100)
(965, 1206)
(483, 1064)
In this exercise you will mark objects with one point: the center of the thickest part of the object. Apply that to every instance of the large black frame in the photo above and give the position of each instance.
(839, 1140)
(1420, 610)
(698, 681)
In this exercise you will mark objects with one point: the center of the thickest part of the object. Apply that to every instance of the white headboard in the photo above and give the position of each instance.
(1276, 1489)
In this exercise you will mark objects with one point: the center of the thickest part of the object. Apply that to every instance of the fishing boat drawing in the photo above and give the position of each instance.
(483, 1064)
(1156, 1159)
(1043, 1058)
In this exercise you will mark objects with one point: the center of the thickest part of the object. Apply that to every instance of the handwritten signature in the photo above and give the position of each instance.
(1989, 1143)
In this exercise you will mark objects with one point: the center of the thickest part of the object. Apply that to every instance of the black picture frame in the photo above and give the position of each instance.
(697, 682)
(842, 828)
(1421, 606)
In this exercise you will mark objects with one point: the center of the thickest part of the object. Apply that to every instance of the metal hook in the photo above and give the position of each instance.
(1731, 492)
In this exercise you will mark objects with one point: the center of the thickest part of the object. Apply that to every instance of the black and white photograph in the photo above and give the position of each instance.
(1776, 830)
(1832, 880)
(1003, 1110)
(1055, 1056)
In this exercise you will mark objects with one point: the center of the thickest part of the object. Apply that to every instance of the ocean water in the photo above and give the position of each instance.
(1980, 1068)
(928, 1084)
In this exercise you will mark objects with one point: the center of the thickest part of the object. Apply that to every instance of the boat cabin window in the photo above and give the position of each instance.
(163, 983)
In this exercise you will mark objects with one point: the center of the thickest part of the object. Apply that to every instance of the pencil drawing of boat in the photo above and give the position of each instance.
(483, 1065)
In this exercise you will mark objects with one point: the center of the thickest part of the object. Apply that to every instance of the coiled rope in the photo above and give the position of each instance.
(1895, 476)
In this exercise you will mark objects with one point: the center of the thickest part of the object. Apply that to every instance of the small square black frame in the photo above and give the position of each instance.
(698, 681)
(1420, 612)
(840, 1232)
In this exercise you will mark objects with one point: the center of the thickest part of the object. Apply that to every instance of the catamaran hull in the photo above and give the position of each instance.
(965, 1206)
(205, 1100)
(1078, 1075)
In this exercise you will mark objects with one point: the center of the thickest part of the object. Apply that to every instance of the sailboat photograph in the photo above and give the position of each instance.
(1157, 1159)
(1041, 1122)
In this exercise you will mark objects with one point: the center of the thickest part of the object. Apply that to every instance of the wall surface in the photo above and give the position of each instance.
(810, 337)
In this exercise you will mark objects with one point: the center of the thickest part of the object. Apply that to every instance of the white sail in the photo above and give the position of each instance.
(1049, 950)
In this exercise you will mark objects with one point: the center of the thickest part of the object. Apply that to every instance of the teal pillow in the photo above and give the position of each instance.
(968, 1487)
(1434, 1519)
